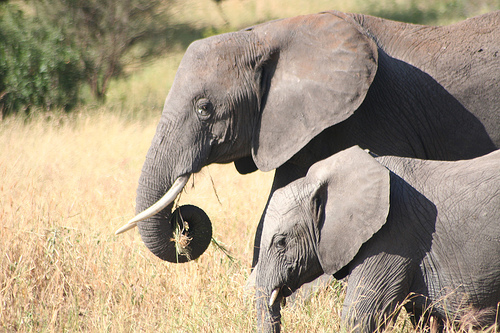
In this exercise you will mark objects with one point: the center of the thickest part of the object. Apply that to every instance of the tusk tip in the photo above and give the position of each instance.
(274, 296)
(126, 227)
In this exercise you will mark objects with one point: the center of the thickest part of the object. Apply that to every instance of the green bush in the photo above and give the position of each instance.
(38, 67)
(109, 34)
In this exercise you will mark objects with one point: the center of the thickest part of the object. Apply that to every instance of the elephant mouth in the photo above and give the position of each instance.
(279, 294)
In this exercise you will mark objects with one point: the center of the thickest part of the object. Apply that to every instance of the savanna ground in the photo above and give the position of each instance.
(67, 182)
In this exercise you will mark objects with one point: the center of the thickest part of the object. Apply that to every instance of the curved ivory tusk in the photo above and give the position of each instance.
(167, 199)
(274, 296)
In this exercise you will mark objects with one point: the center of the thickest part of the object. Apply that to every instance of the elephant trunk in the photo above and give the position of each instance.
(178, 236)
(157, 231)
(268, 316)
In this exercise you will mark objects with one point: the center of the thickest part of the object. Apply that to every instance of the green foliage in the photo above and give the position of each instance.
(104, 32)
(49, 50)
(38, 68)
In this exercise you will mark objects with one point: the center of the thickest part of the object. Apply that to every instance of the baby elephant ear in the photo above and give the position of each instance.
(356, 204)
(319, 72)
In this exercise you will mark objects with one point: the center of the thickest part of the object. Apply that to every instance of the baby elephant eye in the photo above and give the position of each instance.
(280, 243)
(204, 108)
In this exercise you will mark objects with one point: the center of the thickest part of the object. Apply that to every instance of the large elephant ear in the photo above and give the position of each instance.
(354, 194)
(320, 70)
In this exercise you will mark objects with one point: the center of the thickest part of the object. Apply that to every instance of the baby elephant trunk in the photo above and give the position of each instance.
(268, 317)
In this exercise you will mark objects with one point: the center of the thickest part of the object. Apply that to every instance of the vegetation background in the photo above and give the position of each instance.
(68, 180)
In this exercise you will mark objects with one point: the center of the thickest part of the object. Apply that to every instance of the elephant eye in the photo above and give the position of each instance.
(280, 243)
(204, 108)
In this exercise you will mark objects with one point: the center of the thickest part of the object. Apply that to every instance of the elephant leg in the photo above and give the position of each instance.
(421, 316)
(365, 311)
(377, 288)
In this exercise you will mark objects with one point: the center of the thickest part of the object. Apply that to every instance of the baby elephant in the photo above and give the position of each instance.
(425, 234)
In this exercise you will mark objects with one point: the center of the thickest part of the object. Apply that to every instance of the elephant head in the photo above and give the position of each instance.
(317, 224)
(255, 97)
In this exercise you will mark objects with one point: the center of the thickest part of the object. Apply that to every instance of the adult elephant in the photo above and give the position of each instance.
(407, 231)
(285, 94)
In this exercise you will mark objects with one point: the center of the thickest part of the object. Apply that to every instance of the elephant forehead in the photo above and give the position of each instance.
(287, 208)
(283, 202)
(208, 68)
(214, 53)
(293, 196)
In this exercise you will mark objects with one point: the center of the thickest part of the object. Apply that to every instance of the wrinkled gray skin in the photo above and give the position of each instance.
(285, 94)
(427, 231)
